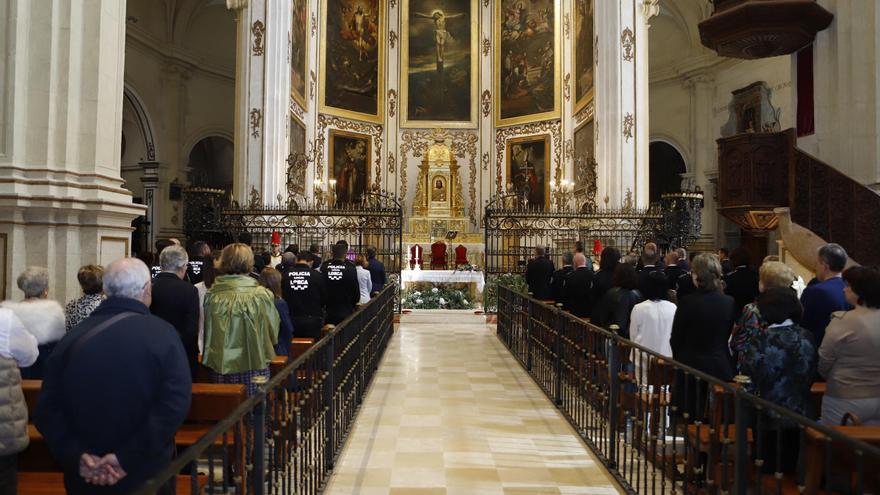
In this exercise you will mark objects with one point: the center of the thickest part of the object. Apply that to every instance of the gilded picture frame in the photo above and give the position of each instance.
(584, 141)
(353, 151)
(299, 52)
(415, 72)
(529, 163)
(353, 52)
(515, 83)
(583, 53)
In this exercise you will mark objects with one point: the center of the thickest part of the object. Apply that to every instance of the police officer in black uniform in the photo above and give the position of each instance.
(343, 291)
(197, 254)
(304, 291)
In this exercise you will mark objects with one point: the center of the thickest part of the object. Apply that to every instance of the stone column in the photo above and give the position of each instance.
(150, 180)
(61, 200)
(262, 89)
(701, 87)
(622, 101)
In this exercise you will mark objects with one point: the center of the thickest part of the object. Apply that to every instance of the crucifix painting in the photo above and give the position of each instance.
(438, 54)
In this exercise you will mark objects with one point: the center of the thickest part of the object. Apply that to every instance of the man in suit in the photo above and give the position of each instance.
(116, 389)
(377, 270)
(826, 296)
(649, 259)
(676, 266)
(305, 293)
(578, 288)
(742, 283)
(557, 281)
(538, 274)
(343, 290)
(177, 301)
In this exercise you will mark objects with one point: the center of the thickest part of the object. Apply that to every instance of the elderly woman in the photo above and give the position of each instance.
(848, 354)
(42, 317)
(91, 281)
(749, 324)
(241, 322)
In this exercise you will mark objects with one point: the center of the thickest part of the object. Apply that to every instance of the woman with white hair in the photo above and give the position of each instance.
(43, 318)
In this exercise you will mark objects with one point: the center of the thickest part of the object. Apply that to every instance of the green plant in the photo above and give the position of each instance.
(436, 298)
(513, 281)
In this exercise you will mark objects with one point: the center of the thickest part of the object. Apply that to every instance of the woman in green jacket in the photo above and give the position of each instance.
(241, 322)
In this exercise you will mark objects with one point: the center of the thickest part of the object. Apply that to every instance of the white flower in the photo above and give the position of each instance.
(435, 290)
(419, 301)
(403, 301)
(442, 302)
(417, 294)
(465, 301)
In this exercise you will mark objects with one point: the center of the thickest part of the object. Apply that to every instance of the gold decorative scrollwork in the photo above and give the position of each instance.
(569, 149)
(486, 102)
(314, 25)
(256, 121)
(486, 161)
(487, 45)
(312, 81)
(392, 102)
(258, 30)
(628, 42)
(297, 110)
(392, 38)
(566, 89)
(502, 135)
(586, 113)
(629, 121)
(392, 163)
(566, 26)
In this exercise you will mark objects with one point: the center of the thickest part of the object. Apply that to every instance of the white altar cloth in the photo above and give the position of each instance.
(442, 277)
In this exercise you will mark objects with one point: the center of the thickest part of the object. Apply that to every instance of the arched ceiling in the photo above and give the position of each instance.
(674, 36)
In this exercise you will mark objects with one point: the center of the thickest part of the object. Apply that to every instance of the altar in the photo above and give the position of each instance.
(444, 277)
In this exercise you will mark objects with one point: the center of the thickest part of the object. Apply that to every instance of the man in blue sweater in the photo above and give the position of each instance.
(116, 389)
(826, 296)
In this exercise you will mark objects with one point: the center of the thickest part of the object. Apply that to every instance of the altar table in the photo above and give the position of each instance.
(443, 277)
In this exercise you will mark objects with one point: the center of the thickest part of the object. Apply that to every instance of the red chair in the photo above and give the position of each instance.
(415, 256)
(460, 256)
(438, 255)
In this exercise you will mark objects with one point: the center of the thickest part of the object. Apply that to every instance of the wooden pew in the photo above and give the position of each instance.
(298, 346)
(211, 402)
(53, 484)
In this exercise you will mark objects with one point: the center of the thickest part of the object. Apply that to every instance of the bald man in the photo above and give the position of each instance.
(578, 288)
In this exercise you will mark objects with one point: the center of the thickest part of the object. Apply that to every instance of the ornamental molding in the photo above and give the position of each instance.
(628, 43)
(392, 102)
(486, 102)
(327, 122)
(629, 121)
(258, 30)
(552, 127)
(256, 122)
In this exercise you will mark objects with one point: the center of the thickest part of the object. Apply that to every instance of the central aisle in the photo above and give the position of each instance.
(451, 412)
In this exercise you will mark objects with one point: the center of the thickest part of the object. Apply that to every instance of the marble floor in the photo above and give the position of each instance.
(451, 412)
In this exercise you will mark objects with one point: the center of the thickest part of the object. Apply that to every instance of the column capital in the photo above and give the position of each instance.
(236, 4)
(650, 8)
(699, 78)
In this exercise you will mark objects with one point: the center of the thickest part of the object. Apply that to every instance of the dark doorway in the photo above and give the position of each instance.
(664, 170)
(210, 163)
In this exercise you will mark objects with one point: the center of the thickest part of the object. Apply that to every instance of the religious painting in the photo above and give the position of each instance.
(439, 60)
(296, 164)
(528, 170)
(350, 165)
(527, 61)
(584, 160)
(352, 58)
(583, 52)
(299, 51)
(439, 191)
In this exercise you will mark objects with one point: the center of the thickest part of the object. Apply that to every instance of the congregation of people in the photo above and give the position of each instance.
(117, 363)
(724, 316)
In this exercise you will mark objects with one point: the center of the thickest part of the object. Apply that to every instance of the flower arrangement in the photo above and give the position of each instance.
(436, 298)
(514, 281)
(467, 267)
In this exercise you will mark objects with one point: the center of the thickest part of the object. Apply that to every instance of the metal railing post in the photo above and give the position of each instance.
(557, 344)
(613, 396)
(741, 459)
(329, 390)
(258, 475)
(529, 326)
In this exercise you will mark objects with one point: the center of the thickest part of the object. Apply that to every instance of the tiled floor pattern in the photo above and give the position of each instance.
(451, 412)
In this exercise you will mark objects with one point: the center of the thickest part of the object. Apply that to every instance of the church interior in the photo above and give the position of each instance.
(483, 153)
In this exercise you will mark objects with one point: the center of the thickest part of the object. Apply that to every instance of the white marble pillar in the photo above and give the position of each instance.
(701, 88)
(61, 80)
(622, 101)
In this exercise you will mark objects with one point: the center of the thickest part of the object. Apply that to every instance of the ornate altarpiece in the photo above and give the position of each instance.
(438, 206)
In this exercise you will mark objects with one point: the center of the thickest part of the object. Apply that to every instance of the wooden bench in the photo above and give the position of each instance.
(53, 484)
(211, 402)
(298, 346)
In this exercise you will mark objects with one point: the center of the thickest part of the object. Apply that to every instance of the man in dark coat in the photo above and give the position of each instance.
(116, 389)
(742, 283)
(578, 288)
(177, 301)
(557, 281)
(343, 291)
(826, 296)
(649, 262)
(377, 270)
(676, 266)
(304, 291)
(538, 274)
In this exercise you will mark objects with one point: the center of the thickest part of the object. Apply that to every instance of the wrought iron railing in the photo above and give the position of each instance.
(660, 426)
(285, 439)
(513, 231)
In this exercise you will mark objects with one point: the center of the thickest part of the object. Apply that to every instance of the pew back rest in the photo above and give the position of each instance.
(212, 402)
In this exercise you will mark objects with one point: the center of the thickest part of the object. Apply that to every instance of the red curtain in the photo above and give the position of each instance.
(806, 123)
